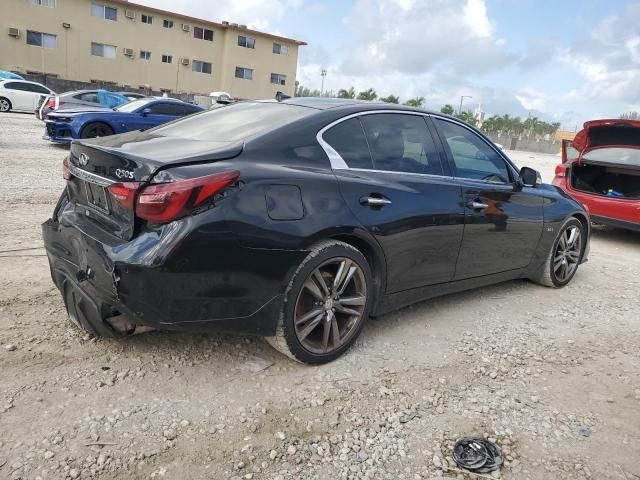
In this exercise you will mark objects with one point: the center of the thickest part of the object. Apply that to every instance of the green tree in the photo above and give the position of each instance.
(390, 99)
(467, 117)
(447, 109)
(351, 93)
(369, 94)
(415, 102)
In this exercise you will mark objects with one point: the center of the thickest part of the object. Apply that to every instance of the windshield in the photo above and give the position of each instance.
(617, 155)
(132, 106)
(235, 122)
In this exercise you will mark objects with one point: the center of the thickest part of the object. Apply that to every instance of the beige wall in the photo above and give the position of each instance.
(72, 59)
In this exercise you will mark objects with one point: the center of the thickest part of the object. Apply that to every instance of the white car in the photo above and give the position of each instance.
(20, 95)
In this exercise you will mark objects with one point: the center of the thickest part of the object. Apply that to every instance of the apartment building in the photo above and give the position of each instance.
(133, 45)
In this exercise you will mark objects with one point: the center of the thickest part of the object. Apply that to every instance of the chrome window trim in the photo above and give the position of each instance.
(90, 177)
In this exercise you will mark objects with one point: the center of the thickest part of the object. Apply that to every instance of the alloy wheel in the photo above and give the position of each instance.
(330, 305)
(97, 131)
(567, 254)
(4, 105)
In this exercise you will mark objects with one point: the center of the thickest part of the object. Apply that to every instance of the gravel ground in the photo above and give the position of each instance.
(552, 375)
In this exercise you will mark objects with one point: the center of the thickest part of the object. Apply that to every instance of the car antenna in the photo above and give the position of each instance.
(281, 96)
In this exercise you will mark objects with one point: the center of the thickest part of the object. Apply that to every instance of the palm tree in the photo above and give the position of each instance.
(369, 94)
(351, 93)
(447, 109)
(415, 102)
(390, 99)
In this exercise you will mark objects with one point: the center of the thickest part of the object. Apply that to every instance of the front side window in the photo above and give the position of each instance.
(201, 67)
(278, 79)
(148, 19)
(44, 40)
(246, 42)
(167, 23)
(144, 55)
(472, 156)
(348, 140)
(245, 73)
(280, 49)
(401, 143)
(43, 3)
(102, 11)
(167, 59)
(203, 34)
(101, 50)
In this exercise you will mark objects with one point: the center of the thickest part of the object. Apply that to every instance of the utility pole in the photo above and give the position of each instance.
(324, 74)
(462, 97)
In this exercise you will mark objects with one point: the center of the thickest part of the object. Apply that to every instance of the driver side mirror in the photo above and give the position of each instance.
(530, 177)
(146, 112)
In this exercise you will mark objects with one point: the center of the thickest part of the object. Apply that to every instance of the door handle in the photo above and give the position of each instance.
(375, 201)
(477, 205)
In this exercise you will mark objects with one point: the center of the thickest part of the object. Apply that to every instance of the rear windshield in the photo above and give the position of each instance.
(617, 155)
(234, 122)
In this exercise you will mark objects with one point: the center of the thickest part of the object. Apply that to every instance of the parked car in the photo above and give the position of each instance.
(68, 124)
(10, 75)
(297, 220)
(20, 95)
(79, 98)
(601, 169)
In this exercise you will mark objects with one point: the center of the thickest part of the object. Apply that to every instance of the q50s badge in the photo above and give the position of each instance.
(122, 173)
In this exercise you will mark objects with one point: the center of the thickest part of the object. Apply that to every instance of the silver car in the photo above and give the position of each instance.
(75, 99)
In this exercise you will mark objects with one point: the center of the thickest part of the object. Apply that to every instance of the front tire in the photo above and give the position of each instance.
(96, 129)
(326, 304)
(5, 105)
(564, 257)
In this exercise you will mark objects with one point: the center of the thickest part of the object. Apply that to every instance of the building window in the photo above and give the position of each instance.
(246, 42)
(102, 11)
(144, 55)
(101, 50)
(245, 73)
(280, 49)
(167, 59)
(38, 39)
(202, 34)
(43, 3)
(148, 19)
(278, 79)
(167, 23)
(201, 67)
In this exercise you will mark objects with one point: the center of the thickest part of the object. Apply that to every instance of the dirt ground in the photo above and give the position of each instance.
(552, 375)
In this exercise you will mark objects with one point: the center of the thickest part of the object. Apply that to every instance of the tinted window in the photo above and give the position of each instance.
(347, 138)
(401, 143)
(88, 97)
(15, 86)
(472, 156)
(167, 109)
(234, 122)
(38, 89)
(189, 109)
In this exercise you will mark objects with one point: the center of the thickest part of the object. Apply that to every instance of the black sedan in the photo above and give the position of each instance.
(297, 220)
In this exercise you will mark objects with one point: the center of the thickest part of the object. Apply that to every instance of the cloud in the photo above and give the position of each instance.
(258, 14)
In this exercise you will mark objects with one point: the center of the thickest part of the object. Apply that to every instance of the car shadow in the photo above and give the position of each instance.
(616, 235)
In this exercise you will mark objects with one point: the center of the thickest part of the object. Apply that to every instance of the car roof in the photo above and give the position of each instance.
(326, 103)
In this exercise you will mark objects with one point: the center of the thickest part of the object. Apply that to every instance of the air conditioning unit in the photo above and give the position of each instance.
(184, 61)
(186, 27)
(130, 14)
(128, 52)
(13, 32)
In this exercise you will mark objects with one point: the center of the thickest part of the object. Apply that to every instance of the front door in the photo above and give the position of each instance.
(394, 181)
(503, 222)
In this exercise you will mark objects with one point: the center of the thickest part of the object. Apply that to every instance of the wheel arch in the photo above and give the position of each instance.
(92, 122)
(8, 100)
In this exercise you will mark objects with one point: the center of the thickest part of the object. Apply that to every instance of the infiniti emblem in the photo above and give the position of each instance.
(83, 159)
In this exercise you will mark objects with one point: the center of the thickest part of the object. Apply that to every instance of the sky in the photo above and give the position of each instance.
(566, 62)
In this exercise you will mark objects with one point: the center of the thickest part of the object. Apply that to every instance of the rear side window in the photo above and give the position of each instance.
(472, 156)
(347, 138)
(401, 143)
(167, 109)
(88, 97)
(234, 122)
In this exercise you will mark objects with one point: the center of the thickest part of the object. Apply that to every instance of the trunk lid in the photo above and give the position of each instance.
(97, 164)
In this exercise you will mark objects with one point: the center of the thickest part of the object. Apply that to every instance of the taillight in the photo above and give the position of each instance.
(51, 103)
(124, 193)
(166, 202)
(561, 170)
(66, 171)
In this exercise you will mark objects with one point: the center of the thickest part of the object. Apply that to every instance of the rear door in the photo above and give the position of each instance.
(503, 222)
(395, 182)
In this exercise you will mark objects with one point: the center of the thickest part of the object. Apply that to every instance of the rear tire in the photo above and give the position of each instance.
(5, 105)
(325, 304)
(564, 256)
(96, 129)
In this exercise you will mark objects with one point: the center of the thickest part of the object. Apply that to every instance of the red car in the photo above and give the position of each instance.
(601, 169)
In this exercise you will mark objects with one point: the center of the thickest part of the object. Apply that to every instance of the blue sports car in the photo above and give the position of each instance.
(66, 125)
